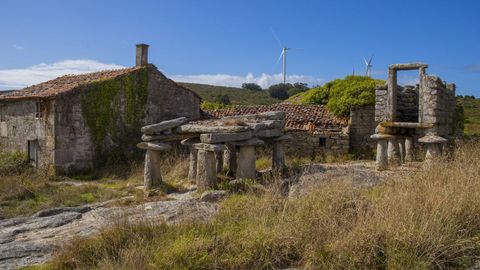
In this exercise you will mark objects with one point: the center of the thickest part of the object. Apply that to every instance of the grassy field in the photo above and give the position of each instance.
(238, 96)
(24, 191)
(471, 108)
(429, 219)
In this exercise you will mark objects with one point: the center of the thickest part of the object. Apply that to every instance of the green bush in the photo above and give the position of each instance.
(206, 105)
(341, 95)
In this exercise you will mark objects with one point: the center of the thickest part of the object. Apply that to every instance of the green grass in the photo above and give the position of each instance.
(471, 108)
(238, 96)
(427, 219)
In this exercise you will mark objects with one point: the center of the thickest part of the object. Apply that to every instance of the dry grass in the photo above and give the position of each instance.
(427, 220)
(24, 191)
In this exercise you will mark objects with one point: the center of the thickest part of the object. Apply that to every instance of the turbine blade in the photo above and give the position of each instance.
(281, 54)
(366, 63)
(370, 61)
(276, 38)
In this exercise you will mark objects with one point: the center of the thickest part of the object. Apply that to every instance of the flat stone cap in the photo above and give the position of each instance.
(190, 141)
(209, 147)
(432, 139)
(162, 126)
(380, 136)
(251, 142)
(408, 66)
(154, 146)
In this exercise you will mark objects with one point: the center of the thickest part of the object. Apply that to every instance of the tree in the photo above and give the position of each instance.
(279, 91)
(222, 99)
(252, 86)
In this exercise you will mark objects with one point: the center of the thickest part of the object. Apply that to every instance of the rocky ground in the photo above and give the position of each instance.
(32, 240)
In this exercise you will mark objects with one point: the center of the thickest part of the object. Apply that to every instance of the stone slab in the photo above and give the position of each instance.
(286, 137)
(432, 139)
(380, 136)
(273, 115)
(251, 142)
(196, 129)
(154, 146)
(267, 124)
(190, 141)
(225, 137)
(163, 126)
(209, 147)
(269, 133)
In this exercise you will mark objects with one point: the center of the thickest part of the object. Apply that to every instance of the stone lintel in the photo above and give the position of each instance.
(225, 137)
(405, 124)
(285, 137)
(190, 141)
(209, 147)
(269, 133)
(154, 146)
(163, 126)
(432, 139)
(381, 136)
(408, 66)
(251, 142)
(198, 128)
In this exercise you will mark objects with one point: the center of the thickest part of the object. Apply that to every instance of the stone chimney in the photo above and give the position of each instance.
(142, 55)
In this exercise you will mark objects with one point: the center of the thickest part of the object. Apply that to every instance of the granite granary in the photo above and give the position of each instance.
(76, 122)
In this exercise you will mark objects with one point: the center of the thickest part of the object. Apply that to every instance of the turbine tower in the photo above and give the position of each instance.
(368, 66)
(284, 66)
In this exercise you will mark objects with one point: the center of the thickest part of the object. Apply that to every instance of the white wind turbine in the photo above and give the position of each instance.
(283, 55)
(368, 66)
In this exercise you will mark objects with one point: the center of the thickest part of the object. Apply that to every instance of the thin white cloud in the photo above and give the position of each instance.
(19, 78)
(264, 80)
(473, 68)
(18, 47)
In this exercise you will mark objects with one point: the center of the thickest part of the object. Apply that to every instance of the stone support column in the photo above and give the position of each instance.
(278, 152)
(230, 159)
(219, 161)
(192, 166)
(246, 167)
(434, 146)
(152, 177)
(401, 149)
(381, 162)
(192, 161)
(409, 146)
(206, 165)
(246, 162)
(393, 152)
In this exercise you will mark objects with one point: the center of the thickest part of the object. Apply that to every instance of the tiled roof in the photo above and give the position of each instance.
(298, 117)
(63, 84)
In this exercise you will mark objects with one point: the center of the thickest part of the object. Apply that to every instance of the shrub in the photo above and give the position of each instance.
(206, 105)
(341, 95)
(12, 163)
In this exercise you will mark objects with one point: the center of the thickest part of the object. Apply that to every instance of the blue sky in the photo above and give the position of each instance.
(227, 42)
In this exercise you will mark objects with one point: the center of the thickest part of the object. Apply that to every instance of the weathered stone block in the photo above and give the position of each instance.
(162, 126)
(225, 137)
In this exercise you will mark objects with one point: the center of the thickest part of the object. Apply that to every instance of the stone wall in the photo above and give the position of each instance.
(305, 143)
(76, 149)
(438, 106)
(407, 103)
(362, 126)
(22, 125)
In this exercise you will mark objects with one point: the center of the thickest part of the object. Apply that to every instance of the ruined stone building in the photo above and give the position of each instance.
(413, 115)
(314, 129)
(75, 122)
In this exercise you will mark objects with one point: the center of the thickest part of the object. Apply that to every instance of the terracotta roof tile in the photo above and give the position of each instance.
(63, 84)
(298, 117)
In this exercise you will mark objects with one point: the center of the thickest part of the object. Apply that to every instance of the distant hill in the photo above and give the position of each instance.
(471, 108)
(237, 96)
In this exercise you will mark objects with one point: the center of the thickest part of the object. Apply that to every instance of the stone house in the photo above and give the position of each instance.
(314, 129)
(77, 122)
